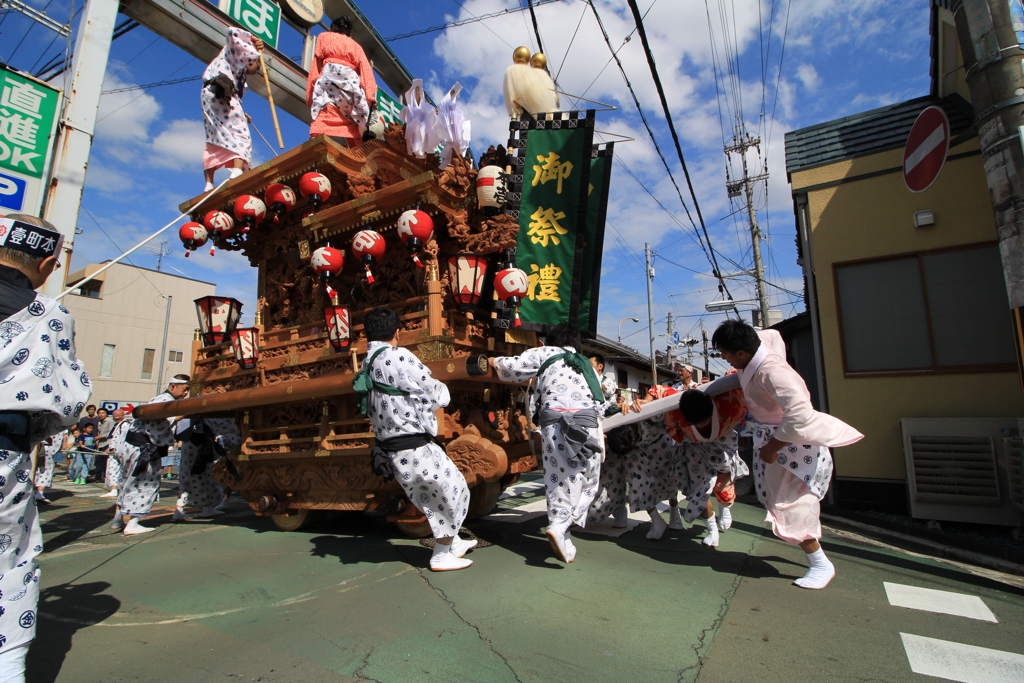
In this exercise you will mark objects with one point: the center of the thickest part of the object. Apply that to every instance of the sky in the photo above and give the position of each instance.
(772, 65)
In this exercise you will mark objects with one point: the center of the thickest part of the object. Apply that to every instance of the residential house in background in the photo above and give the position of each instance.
(119, 329)
(908, 308)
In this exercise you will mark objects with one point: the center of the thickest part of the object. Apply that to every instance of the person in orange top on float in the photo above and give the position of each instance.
(341, 90)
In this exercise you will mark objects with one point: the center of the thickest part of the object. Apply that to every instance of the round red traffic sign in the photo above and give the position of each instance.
(926, 149)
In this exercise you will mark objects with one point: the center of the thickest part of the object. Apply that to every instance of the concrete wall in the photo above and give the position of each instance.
(874, 217)
(130, 315)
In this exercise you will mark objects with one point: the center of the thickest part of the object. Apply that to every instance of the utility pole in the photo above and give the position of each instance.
(741, 142)
(75, 132)
(704, 334)
(161, 251)
(650, 311)
(992, 68)
(669, 344)
(163, 346)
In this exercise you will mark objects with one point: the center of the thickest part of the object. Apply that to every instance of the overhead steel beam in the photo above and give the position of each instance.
(198, 27)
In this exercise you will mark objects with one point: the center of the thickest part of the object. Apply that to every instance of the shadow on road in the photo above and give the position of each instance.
(920, 566)
(63, 610)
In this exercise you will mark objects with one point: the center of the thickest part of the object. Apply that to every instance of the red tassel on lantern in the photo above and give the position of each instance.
(416, 229)
(368, 246)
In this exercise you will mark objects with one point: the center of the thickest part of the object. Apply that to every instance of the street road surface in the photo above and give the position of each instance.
(350, 599)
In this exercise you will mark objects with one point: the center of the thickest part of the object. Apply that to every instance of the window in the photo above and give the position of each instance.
(927, 312)
(107, 364)
(90, 289)
(174, 356)
(623, 378)
(147, 363)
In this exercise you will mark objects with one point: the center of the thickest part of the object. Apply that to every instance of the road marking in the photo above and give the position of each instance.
(942, 602)
(959, 662)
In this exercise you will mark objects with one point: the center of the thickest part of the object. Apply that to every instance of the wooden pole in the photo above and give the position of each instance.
(270, 98)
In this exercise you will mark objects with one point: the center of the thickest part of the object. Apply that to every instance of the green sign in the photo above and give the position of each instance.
(28, 116)
(553, 177)
(261, 18)
(389, 107)
(593, 240)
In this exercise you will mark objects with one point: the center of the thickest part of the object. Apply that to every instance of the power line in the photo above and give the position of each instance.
(672, 129)
(470, 20)
(536, 28)
(147, 86)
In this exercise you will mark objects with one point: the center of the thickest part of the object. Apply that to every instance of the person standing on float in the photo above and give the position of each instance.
(44, 389)
(792, 464)
(341, 91)
(228, 142)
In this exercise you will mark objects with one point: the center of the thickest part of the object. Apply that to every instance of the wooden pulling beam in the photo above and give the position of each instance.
(473, 368)
(270, 99)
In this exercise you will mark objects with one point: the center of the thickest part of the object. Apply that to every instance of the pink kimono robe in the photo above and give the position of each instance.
(778, 400)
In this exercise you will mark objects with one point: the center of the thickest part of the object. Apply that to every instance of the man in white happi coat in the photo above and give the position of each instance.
(43, 389)
(139, 453)
(571, 406)
(400, 397)
(611, 490)
(792, 463)
(203, 441)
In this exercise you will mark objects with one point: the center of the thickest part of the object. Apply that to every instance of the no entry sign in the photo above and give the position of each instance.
(925, 153)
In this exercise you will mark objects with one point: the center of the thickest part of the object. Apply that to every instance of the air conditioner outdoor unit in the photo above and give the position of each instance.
(964, 469)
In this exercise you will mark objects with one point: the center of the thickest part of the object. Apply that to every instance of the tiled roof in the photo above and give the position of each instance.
(869, 132)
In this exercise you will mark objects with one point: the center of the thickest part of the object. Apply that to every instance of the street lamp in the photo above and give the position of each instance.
(466, 276)
(245, 344)
(636, 320)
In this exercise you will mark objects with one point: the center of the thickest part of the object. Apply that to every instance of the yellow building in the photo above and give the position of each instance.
(906, 294)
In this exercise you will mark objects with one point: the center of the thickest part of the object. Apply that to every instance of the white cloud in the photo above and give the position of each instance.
(125, 117)
(179, 146)
(808, 75)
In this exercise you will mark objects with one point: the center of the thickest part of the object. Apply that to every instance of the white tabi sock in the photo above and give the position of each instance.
(235, 172)
(725, 516)
(443, 560)
(118, 522)
(208, 187)
(711, 540)
(675, 519)
(820, 571)
(134, 527)
(460, 547)
(658, 526)
(39, 495)
(179, 514)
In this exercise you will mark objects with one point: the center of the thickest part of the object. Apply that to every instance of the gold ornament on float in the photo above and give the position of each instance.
(521, 55)
(539, 61)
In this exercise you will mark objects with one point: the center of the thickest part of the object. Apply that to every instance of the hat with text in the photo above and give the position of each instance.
(29, 238)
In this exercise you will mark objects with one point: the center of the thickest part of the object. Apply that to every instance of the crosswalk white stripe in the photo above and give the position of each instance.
(941, 602)
(959, 662)
(936, 138)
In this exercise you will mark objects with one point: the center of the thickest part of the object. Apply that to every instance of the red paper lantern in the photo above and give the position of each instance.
(245, 344)
(249, 211)
(511, 285)
(327, 262)
(316, 188)
(220, 226)
(415, 228)
(339, 326)
(368, 246)
(466, 274)
(280, 198)
(193, 235)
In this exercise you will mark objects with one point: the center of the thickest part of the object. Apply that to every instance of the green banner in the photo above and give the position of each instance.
(262, 18)
(593, 241)
(28, 115)
(552, 173)
(390, 109)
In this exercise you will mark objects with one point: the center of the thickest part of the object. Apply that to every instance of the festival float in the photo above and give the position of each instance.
(334, 231)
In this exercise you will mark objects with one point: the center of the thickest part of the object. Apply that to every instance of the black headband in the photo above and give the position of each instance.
(29, 238)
